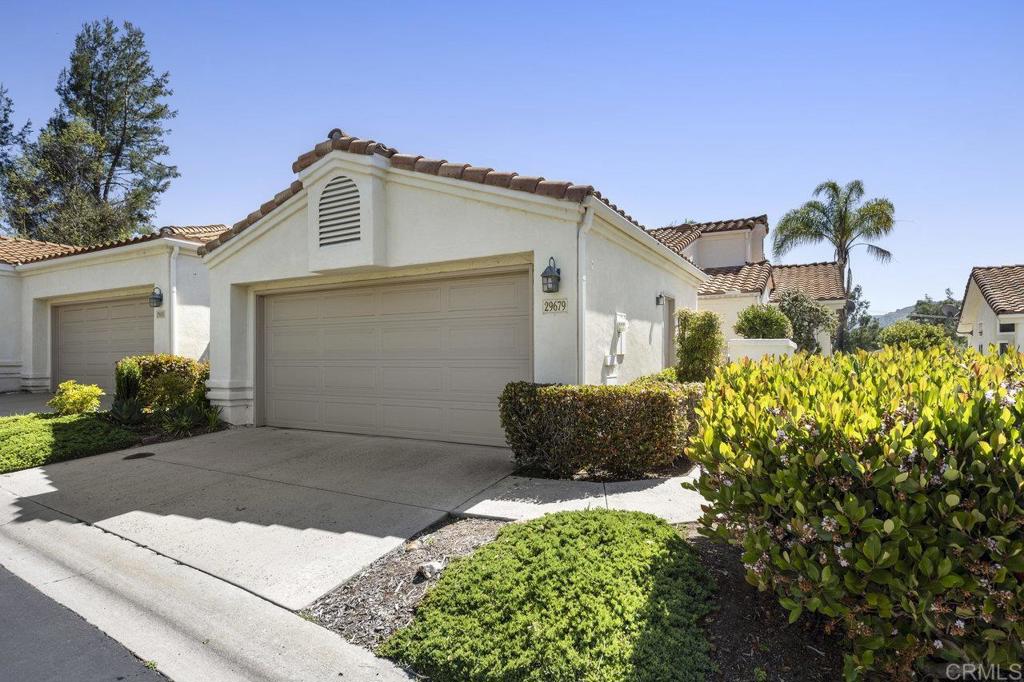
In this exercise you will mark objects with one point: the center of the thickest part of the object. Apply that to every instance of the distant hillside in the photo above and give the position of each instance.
(895, 316)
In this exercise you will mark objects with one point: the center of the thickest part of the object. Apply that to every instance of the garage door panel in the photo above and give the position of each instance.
(92, 337)
(417, 360)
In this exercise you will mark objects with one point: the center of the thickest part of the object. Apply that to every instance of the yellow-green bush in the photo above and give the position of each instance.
(161, 381)
(75, 398)
(620, 431)
(883, 491)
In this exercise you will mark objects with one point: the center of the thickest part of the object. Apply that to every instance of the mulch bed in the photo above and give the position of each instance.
(750, 632)
(381, 599)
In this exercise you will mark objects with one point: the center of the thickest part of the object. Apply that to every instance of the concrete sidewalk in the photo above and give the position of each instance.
(515, 498)
(44, 641)
(194, 626)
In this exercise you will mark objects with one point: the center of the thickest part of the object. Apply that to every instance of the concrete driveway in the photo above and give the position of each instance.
(284, 514)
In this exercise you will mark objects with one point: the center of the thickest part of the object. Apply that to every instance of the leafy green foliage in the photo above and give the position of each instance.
(595, 596)
(36, 439)
(75, 398)
(838, 216)
(913, 334)
(883, 491)
(619, 431)
(763, 322)
(669, 375)
(945, 313)
(699, 344)
(860, 328)
(95, 172)
(807, 317)
(162, 381)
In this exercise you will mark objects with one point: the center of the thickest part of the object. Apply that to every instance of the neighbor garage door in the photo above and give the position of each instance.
(91, 337)
(425, 360)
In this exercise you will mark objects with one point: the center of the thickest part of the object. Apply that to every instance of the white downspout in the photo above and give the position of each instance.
(172, 304)
(586, 222)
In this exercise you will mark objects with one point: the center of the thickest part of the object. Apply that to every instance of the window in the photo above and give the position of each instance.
(981, 348)
(339, 212)
(1004, 347)
(1007, 327)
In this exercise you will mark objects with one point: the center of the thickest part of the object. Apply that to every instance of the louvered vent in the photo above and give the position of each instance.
(339, 212)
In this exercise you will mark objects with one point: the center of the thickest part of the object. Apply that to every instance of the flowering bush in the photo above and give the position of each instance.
(883, 491)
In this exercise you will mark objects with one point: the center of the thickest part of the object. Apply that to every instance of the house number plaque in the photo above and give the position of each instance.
(556, 305)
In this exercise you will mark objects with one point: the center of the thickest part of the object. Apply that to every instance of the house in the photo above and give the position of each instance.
(732, 254)
(389, 293)
(72, 312)
(993, 308)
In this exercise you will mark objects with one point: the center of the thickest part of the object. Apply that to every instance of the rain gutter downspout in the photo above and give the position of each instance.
(584, 226)
(172, 305)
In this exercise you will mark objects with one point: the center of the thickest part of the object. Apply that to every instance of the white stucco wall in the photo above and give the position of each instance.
(978, 315)
(127, 271)
(728, 307)
(10, 329)
(624, 279)
(192, 309)
(722, 249)
(755, 349)
(426, 226)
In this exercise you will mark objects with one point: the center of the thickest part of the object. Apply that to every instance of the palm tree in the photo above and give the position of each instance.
(837, 216)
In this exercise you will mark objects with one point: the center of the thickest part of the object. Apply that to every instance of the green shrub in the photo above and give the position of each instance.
(127, 379)
(35, 439)
(807, 317)
(763, 322)
(699, 344)
(665, 376)
(620, 431)
(913, 334)
(883, 491)
(75, 398)
(183, 419)
(164, 381)
(595, 596)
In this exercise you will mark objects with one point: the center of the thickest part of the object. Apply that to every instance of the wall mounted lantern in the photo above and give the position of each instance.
(659, 299)
(156, 299)
(550, 277)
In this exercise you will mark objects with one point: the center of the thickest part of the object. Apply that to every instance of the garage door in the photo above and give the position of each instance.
(91, 337)
(425, 360)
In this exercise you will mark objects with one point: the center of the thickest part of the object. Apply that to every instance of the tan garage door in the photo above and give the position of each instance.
(424, 360)
(91, 337)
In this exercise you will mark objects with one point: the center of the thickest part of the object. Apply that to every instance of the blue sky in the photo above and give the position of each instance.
(676, 111)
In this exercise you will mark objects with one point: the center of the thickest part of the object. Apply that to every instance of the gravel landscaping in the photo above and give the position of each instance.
(381, 599)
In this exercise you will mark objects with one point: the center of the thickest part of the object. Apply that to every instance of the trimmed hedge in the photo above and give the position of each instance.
(591, 596)
(919, 335)
(620, 431)
(161, 381)
(762, 321)
(883, 491)
(700, 345)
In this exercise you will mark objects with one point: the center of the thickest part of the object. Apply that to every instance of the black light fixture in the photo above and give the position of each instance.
(550, 277)
(156, 299)
(659, 299)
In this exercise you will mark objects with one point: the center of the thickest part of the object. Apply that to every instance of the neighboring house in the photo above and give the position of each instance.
(72, 312)
(993, 308)
(389, 293)
(731, 252)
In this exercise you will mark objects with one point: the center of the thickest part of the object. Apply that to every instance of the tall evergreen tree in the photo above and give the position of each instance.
(96, 172)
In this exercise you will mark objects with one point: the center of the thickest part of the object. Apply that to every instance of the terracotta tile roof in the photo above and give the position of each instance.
(1002, 286)
(14, 250)
(821, 281)
(678, 237)
(194, 233)
(337, 140)
(747, 278)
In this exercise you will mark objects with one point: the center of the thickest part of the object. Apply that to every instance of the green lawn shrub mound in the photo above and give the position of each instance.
(75, 398)
(619, 431)
(883, 491)
(920, 335)
(763, 321)
(36, 439)
(574, 597)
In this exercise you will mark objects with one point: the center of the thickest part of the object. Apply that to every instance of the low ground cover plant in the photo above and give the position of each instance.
(762, 321)
(75, 398)
(576, 596)
(36, 439)
(914, 334)
(618, 431)
(882, 491)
